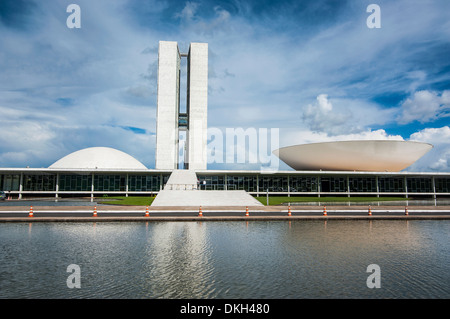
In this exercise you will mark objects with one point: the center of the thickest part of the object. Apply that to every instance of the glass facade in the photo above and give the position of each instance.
(362, 184)
(419, 185)
(391, 184)
(326, 184)
(303, 184)
(273, 183)
(252, 182)
(77, 183)
(442, 185)
(248, 183)
(211, 182)
(39, 182)
(10, 182)
(144, 183)
(337, 184)
(111, 183)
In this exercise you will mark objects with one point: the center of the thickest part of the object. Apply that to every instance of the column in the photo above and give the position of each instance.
(168, 98)
(20, 185)
(57, 187)
(348, 186)
(406, 187)
(92, 188)
(197, 104)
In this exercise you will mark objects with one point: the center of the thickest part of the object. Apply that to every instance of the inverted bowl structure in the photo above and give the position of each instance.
(370, 155)
(98, 158)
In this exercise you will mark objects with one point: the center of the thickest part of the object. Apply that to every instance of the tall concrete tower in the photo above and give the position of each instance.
(169, 120)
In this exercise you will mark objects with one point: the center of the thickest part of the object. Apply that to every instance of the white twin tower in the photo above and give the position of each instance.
(170, 120)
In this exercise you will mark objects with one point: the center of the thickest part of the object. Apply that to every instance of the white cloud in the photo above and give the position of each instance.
(321, 118)
(344, 116)
(425, 106)
(292, 137)
(432, 135)
(438, 159)
(192, 22)
(188, 11)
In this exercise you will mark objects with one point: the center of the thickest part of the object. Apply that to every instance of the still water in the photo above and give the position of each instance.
(255, 259)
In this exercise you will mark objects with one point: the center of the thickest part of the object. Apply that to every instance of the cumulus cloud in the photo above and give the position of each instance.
(293, 137)
(343, 116)
(320, 116)
(188, 11)
(438, 159)
(200, 25)
(425, 106)
(440, 135)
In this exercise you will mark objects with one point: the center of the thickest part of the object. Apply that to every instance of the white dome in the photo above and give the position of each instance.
(98, 158)
(386, 155)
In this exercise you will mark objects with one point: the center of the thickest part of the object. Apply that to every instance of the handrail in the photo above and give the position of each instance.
(181, 187)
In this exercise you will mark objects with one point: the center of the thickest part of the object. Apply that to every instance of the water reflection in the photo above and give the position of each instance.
(251, 259)
(178, 254)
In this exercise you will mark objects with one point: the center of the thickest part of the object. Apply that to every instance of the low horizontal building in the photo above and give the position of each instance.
(33, 182)
(98, 171)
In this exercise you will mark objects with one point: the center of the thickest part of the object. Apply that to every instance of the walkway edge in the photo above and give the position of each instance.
(216, 218)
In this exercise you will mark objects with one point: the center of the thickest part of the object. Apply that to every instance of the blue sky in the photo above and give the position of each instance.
(312, 69)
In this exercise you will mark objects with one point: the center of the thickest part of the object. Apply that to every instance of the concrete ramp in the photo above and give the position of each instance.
(181, 190)
(181, 179)
(169, 197)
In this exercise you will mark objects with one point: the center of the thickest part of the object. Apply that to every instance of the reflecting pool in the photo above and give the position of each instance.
(212, 259)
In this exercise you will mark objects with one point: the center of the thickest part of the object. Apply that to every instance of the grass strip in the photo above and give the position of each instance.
(273, 200)
(127, 201)
(278, 200)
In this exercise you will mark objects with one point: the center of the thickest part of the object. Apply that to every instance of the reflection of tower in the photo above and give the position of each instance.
(170, 121)
(179, 256)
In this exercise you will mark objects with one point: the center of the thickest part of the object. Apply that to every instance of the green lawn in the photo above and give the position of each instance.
(278, 200)
(128, 201)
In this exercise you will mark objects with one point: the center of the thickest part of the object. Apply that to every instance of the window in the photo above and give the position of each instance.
(242, 182)
(39, 182)
(144, 183)
(109, 182)
(419, 185)
(302, 184)
(10, 182)
(273, 183)
(338, 184)
(442, 185)
(362, 184)
(75, 183)
(211, 182)
(391, 184)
